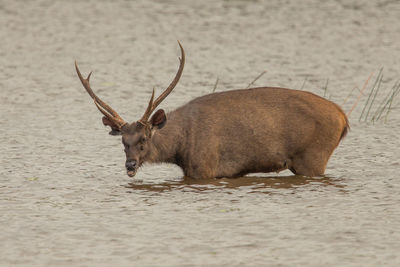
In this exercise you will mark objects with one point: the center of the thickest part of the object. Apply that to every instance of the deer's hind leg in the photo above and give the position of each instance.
(311, 162)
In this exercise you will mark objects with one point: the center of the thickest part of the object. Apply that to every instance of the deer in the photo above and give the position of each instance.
(231, 133)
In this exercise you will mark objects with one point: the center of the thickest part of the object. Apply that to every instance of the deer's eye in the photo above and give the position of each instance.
(141, 147)
(143, 140)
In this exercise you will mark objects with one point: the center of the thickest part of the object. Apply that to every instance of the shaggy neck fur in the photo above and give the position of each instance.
(166, 143)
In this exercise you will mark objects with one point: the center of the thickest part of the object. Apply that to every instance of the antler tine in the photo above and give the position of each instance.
(105, 113)
(149, 109)
(86, 85)
(99, 103)
(174, 81)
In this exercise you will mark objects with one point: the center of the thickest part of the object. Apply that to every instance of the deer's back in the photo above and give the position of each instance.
(262, 107)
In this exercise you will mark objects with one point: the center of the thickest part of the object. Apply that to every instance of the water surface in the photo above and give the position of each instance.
(65, 199)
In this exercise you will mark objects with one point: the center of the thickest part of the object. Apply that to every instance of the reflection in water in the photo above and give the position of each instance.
(255, 183)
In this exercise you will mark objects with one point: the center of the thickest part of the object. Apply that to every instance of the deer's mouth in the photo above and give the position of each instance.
(131, 170)
(131, 173)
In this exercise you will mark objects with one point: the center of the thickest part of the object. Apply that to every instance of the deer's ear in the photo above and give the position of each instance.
(158, 119)
(114, 128)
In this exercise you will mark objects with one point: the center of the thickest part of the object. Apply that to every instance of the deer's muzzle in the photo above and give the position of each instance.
(131, 167)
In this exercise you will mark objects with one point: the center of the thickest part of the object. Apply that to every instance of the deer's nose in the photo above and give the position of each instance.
(130, 164)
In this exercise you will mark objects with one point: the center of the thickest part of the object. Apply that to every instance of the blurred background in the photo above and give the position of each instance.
(64, 195)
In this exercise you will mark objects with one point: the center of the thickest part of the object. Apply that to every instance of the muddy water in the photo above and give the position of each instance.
(64, 197)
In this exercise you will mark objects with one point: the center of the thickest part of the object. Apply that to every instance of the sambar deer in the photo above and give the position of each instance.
(232, 133)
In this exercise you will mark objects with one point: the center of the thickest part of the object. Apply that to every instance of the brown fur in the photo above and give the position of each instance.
(232, 133)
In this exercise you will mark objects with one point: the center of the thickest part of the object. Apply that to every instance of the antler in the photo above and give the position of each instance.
(148, 112)
(153, 105)
(111, 114)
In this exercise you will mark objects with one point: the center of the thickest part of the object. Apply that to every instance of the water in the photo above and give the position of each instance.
(65, 199)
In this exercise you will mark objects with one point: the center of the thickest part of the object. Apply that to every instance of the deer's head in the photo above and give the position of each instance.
(136, 136)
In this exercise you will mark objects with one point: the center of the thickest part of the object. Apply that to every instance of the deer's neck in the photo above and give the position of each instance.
(168, 141)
